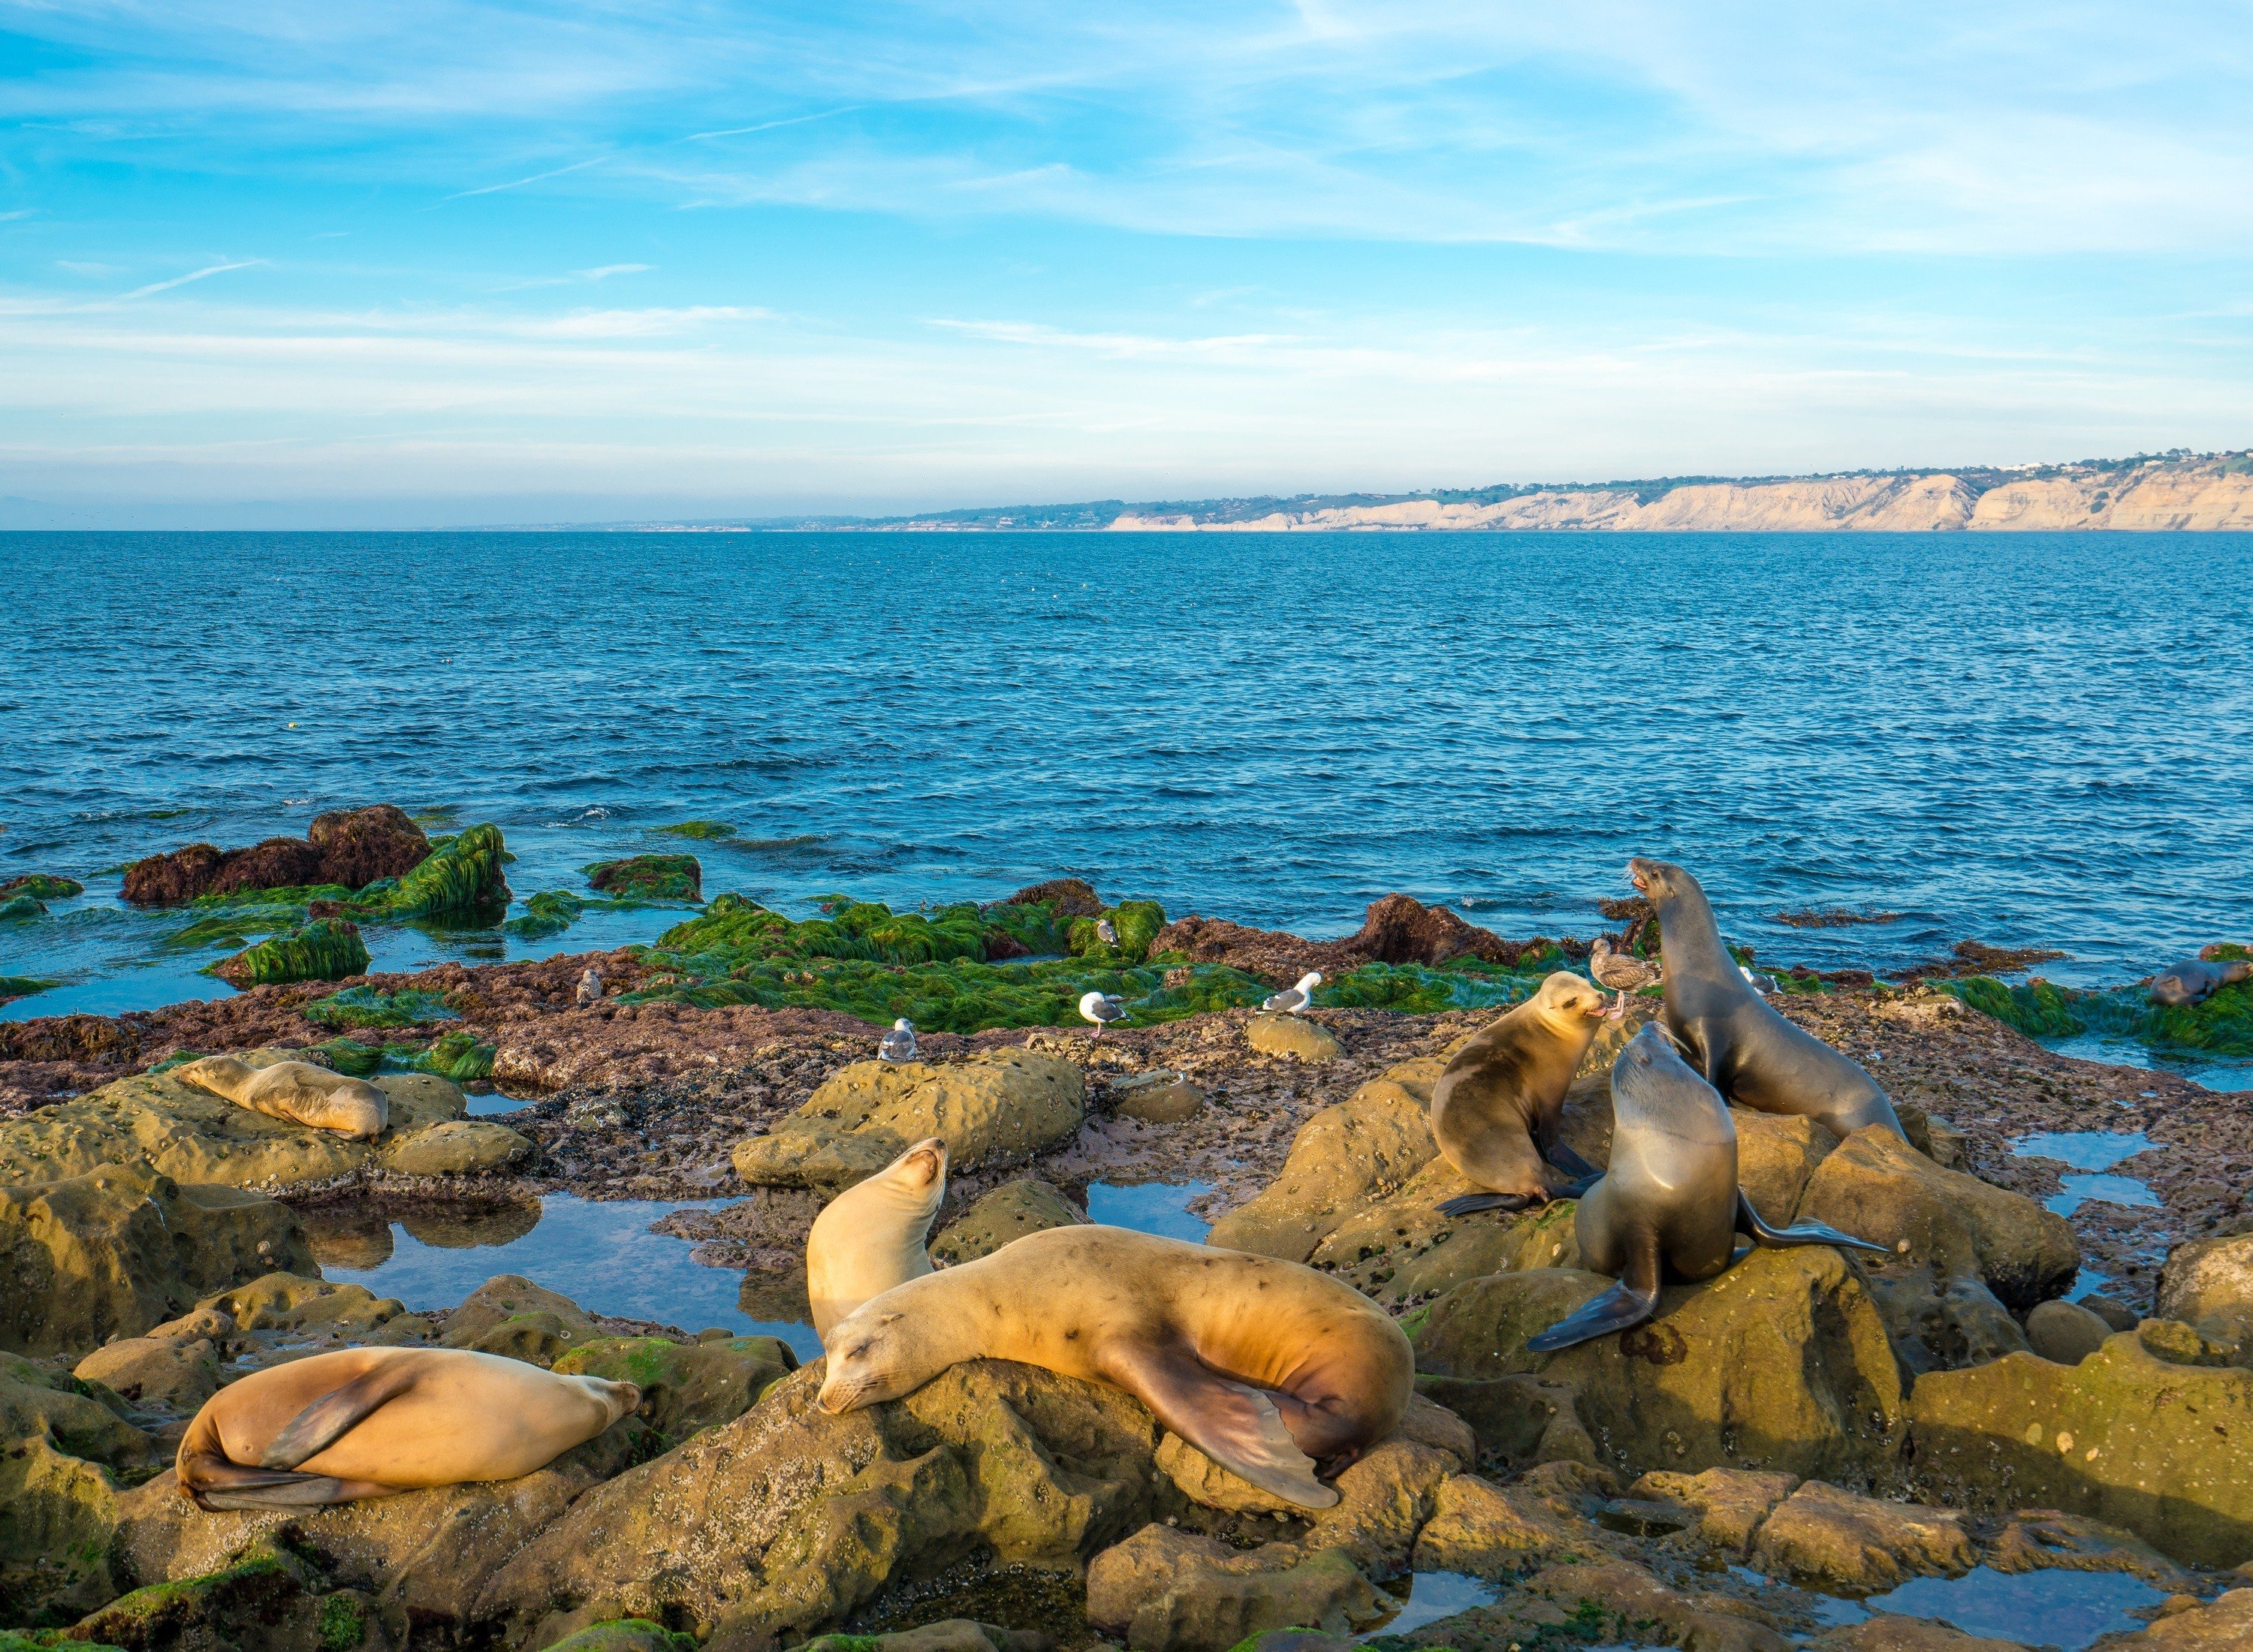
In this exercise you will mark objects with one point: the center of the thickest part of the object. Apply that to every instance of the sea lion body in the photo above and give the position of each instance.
(1267, 1367)
(1747, 1050)
(1668, 1204)
(1495, 1108)
(295, 1091)
(870, 1237)
(365, 1422)
(2194, 982)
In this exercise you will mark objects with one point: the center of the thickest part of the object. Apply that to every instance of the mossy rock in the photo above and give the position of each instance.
(366, 1007)
(18, 909)
(686, 1387)
(549, 912)
(703, 831)
(1135, 923)
(457, 1147)
(2038, 1009)
(466, 872)
(460, 1056)
(649, 877)
(22, 987)
(626, 1635)
(41, 887)
(1419, 989)
(328, 949)
(64, 1457)
(2223, 1025)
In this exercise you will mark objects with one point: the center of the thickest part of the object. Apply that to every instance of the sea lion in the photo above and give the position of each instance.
(1268, 1368)
(2193, 983)
(1495, 1108)
(297, 1091)
(1670, 1202)
(366, 1422)
(870, 1237)
(1747, 1050)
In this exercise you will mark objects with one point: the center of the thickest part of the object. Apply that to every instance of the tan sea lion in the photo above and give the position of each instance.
(366, 1422)
(1268, 1368)
(870, 1237)
(1669, 1203)
(1747, 1050)
(1495, 1108)
(297, 1091)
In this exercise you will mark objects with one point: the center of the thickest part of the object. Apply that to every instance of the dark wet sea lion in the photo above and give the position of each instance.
(1747, 1050)
(366, 1422)
(1268, 1368)
(2194, 982)
(1494, 1110)
(1668, 1205)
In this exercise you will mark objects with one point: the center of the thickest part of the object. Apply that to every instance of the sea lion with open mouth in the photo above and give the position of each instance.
(870, 1237)
(1670, 1202)
(1268, 1368)
(295, 1091)
(1747, 1050)
(1495, 1108)
(366, 1422)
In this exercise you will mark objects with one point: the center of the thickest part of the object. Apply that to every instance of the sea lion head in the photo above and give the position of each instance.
(915, 1182)
(1564, 997)
(221, 1075)
(616, 1399)
(867, 1360)
(1656, 880)
(1654, 1089)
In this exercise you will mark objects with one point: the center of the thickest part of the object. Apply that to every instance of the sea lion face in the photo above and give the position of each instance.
(917, 1180)
(866, 1366)
(1656, 880)
(1563, 994)
(221, 1075)
(618, 1399)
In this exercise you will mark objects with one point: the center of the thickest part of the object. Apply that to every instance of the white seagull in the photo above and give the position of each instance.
(1100, 1009)
(1293, 998)
(899, 1043)
(591, 987)
(1105, 933)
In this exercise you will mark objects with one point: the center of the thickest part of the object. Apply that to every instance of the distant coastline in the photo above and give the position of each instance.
(2177, 492)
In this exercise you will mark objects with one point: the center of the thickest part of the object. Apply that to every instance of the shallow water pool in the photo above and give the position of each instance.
(2083, 1149)
(1434, 1595)
(2080, 1190)
(1150, 1207)
(2069, 1610)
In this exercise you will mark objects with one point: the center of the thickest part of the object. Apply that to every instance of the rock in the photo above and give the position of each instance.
(1402, 1249)
(2044, 1540)
(1008, 1212)
(2065, 1332)
(117, 1251)
(1375, 1138)
(686, 1387)
(1157, 1098)
(1165, 1590)
(1858, 1545)
(1398, 929)
(1730, 1502)
(509, 1315)
(649, 877)
(280, 1313)
(1000, 1106)
(2226, 1625)
(1964, 1252)
(2119, 1318)
(950, 1635)
(626, 1635)
(328, 949)
(2163, 1449)
(360, 845)
(1069, 898)
(1205, 1481)
(787, 1519)
(1493, 1532)
(1429, 1424)
(61, 1454)
(195, 1136)
(1885, 1632)
(458, 1147)
(2208, 1282)
(174, 1374)
(1291, 1035)
(1776, 1156)
(1614, 1600)
(1781, 1364)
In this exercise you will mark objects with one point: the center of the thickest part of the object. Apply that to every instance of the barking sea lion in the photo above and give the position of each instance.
(1494, 1110)
(870, 1237)
(1670, 1202)
(1266, 1367)
(295, 1091)
(1746, 1051)
(365, 1422)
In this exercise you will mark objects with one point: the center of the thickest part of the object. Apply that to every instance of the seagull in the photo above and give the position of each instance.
(1291, 998)
(1759, 982)
(1622, 971)
(591, 987)
(899, 1043)
(1102, 1010)
(1106, 932)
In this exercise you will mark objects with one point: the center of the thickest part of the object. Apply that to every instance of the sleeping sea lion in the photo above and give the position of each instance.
(1268, 1368)
(1747, 1050)
(297, 1091)
(870, 1237)
(1670, 1202)
(366, 1422)
(2193, 983)
(1495, 1108)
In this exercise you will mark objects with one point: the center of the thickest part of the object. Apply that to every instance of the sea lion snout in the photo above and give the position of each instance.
(927, 1158)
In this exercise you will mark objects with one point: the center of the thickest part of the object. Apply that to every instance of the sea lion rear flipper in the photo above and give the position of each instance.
(334, 1415)
(1629, 1302)
(1464, 1204)
(1571, 1163)
(216, 1483)
(1749, 1221)
(1231, 1422)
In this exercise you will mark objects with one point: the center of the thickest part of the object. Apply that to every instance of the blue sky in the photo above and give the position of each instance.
(426, 263)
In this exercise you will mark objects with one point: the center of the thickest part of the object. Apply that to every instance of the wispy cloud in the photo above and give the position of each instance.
(536, 177)
(204, 273)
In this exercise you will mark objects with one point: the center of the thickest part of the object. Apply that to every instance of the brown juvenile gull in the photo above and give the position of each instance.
(1622, 971)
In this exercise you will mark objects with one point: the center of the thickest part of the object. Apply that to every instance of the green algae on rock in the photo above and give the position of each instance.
(41, 885)
(13, 986)
(460, 1055)
(461, 873)
(1135, 923)
(705, 831)
(1419, 989)
(687, 1387)
(361, 1007)
(328, 949)
(21, 908)
(649, 877)
(549, 912)
(2223, 1025)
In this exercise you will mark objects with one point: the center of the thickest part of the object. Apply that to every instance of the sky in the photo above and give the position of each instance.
(432, 264)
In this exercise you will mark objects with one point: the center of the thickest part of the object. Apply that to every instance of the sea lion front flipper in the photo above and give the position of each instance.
(329, 1418)
(1629, 1302)
(216, 1483)
(1231, 1422)
(1749, 1221)
(1464, 1204)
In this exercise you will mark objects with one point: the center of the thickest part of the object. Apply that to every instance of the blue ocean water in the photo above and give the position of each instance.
(2020, 737)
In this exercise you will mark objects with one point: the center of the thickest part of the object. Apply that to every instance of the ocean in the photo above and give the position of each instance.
(2025, 738)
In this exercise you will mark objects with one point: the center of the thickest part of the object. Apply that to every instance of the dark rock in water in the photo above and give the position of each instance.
(165, 879)
(328, 949)
(1067, 897)
(349, 848)
(360, 845)
(649, 877)
(1399, 928)
(39, 886)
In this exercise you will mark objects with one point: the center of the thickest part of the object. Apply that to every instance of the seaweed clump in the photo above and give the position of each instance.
(18, 908)
(2220, 1026)
(734, 931)
(461, 873)
(649, 877)
(704, 831)
(549, 912)
(1135, 923)
(357, 1007)
(1423, 989)
(459, 1054)
(328, 949)
(41, 887)
(13, 987)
